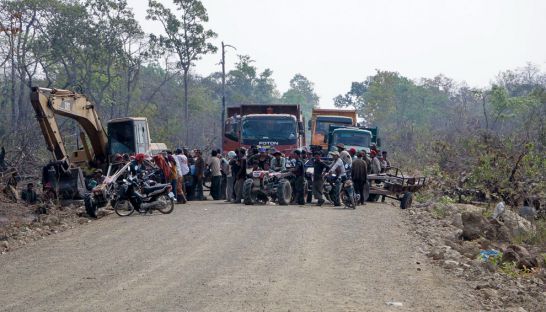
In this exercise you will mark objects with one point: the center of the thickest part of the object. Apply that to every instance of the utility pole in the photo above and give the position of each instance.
(224, 90)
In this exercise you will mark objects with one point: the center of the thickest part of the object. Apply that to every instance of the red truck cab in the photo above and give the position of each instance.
(278, 126)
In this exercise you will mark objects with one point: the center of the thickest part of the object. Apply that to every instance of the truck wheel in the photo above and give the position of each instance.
(284, 192)
(247, 192)
(406, 201)
(90, 206)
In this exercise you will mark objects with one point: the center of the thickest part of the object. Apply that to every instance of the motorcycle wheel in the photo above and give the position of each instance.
(347, 199)
(123, 208)
(90, 206)
(248, 197)
(167, 204)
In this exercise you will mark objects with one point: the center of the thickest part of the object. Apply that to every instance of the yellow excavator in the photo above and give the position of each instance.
(64, 175)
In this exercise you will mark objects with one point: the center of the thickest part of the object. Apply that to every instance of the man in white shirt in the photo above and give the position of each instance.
(344, 155)
(216, 172)
(338, 169)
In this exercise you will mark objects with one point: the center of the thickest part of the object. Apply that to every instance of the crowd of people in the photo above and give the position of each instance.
(186, 170)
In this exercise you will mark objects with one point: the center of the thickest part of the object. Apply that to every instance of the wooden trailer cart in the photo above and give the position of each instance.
(394, 184)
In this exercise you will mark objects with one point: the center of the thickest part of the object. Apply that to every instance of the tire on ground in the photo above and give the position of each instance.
(406, 201)
(247, 192)
(90, 206)
(284, 192)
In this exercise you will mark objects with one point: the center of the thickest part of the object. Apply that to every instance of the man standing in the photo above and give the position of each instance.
(338, 169)
(344, 155)
(224, 169)
(240, 177)
(299, 183)
(29, 195)
(318, 181)
(376, 164)
(229, 176)
(385, 164)
(359, 174)
(199, 175)
(215, 168)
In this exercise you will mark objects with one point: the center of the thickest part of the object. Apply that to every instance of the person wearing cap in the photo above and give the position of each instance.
(318, 180)
(375, 163)
(299, 183)
(343, 154)
(338, 169)
(28, 195)
(278, 163)
(359, 174)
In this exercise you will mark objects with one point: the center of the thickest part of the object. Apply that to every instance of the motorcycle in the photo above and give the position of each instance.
(143, 196)
(347, 194)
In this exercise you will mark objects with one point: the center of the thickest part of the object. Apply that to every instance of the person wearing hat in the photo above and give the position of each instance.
(299, 183)
(337, 169)
(318, 180)
(278, 163)
(261, 160)
(96, 179)
(343, 154)
(28, 195)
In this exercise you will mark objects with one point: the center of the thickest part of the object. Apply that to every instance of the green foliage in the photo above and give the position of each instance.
(439, 211)
(245, 85)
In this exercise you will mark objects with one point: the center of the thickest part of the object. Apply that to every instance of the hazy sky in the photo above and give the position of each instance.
(336, 42)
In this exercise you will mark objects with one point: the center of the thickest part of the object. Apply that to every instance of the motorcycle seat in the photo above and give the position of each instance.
(151, 189)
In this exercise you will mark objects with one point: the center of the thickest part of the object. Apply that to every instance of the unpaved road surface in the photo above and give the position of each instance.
(212, 256)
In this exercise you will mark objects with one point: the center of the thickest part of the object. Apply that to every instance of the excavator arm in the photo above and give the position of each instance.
(50, 102)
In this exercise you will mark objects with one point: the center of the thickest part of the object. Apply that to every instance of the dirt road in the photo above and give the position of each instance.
(212, 256)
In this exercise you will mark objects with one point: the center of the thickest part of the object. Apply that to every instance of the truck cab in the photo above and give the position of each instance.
(359, 138)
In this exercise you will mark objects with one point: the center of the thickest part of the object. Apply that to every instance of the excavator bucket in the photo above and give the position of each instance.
(67, 184)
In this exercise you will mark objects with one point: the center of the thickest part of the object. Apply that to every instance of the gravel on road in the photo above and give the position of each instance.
(213, 256)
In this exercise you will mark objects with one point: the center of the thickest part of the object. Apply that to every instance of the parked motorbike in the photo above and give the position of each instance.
(143, 196)
(347, 194)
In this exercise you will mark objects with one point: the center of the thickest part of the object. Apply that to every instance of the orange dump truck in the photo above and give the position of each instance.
(323, 118)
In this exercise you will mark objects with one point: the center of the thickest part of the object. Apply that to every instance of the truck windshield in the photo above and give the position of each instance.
(323, 123)
(353, 138)
(121, 138)
(269, 130)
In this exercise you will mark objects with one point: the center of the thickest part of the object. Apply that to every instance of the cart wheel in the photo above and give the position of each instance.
(406, 200)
